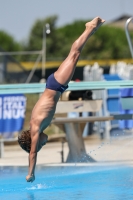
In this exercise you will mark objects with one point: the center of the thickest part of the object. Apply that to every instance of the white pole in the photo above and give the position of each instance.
(46, 30)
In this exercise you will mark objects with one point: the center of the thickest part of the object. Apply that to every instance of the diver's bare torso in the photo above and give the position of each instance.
(44, 109)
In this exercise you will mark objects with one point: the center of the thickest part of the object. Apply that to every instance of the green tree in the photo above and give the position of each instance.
(36, 36)
(67, 35)
(8, 43)
(107, 43)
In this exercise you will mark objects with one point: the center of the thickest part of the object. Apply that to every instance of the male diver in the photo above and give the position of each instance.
(42, 114)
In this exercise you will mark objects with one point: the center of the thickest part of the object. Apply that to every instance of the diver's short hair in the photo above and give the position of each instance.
(24, 140)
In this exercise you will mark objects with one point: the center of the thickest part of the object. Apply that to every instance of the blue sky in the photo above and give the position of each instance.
(18, 16)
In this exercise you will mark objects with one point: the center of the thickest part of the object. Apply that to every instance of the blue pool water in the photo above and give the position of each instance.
(68, 183)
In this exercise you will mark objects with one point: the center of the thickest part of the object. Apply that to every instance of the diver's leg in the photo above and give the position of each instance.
(66, 70)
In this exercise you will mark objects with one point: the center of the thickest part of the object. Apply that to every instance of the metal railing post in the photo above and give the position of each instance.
(128, 35)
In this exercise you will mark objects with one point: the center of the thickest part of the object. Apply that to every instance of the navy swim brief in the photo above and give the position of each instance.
(53, 84)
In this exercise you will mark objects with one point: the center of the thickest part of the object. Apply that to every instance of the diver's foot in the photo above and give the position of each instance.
(94, 24)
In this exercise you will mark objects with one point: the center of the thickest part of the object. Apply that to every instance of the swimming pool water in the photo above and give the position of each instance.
(68, 183)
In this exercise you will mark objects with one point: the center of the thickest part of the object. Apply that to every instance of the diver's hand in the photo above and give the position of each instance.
(30, 178)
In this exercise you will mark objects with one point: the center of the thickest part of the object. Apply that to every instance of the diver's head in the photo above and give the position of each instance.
(24, 140)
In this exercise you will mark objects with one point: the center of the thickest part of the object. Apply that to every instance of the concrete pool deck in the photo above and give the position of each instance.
(119, 149)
